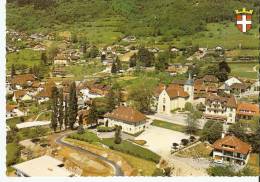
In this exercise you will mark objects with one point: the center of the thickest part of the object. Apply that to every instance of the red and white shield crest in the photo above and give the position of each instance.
(244, 20)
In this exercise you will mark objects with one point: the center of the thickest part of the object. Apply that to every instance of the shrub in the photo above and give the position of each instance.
(105, 129)
(192, 138)
(184, 141)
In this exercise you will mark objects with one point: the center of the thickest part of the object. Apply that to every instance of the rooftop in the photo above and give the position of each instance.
(43, 166)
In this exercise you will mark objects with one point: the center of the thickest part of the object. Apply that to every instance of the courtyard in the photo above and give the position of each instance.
(159, 140)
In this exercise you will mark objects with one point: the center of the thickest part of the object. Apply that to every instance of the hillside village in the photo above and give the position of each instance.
(129, 109)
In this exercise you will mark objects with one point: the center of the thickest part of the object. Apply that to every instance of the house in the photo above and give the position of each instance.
(131, 120)
(230, 149)
(175, 97)
(46, 93)
(60, 60)
(247, 111)
(42, 166)
(13, 111)
(221, 108)
(26, 98)
(210, 79)
(22, 81)
(19, 94)
(238, 88)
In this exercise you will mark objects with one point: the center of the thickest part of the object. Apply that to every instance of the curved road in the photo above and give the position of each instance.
(117, 168)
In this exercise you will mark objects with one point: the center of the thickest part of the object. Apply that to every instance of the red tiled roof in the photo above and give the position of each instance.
(23, 79)
(238, 145)
(9, 107)
(126, 114)
(20, 93)
(228, 101)
(174, 91)
(210, 78)
(247, 109)
(158, 90)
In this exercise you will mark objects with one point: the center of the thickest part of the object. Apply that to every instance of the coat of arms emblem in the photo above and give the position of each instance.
(244, 19)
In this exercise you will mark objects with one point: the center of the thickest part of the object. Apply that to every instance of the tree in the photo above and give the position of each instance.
(72, 105)
(113, 68)
(74, 38)
(54, 116)
(161, 62)
(111, 102)
(188, 107)
(93, 114)
(44, 58)
(221, 171)
(118, 64)
(211, 131)
(93, 52)
(141, 96)
(61, 109)
(192, 123)
(145, 57)
(238, 130)
(223, 71)
(175, 145)
(118, 138)
(66, 113)
(12, 71)
(52, 51)
(184, 142)
(80, 128)
(133, 60)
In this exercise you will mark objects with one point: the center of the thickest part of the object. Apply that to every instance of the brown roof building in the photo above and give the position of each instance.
(131, 120)
(23, 80)
(231, 149)
(174, 91)
(247, 110)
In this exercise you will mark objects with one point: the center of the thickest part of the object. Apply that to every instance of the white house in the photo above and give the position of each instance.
(13, 111)
(42, 166)
(131, 120)
(221, 108)
(230, 149)
(175, 97)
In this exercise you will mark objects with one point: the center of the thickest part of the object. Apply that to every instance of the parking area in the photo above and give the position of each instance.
(159, 140)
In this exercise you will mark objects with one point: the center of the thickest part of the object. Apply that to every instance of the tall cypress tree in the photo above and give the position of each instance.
(113, 68)
(93, 114)
(44, 58)
(12, 71)
(54, 117)
(61, 109)
(73, 105)
(66, 113)
(118, 64)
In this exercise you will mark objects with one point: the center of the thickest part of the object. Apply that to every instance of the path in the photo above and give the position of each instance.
(116, 167)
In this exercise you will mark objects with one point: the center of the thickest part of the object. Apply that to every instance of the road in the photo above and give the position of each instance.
(179, 119)
(116, 167)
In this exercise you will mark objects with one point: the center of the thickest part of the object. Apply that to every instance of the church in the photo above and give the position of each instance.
(175, 96)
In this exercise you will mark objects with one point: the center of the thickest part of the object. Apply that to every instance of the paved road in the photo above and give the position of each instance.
(117, 168)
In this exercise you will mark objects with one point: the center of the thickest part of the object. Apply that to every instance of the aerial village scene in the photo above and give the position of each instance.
(126, 88)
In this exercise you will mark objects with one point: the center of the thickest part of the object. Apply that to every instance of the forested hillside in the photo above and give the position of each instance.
(111, 19)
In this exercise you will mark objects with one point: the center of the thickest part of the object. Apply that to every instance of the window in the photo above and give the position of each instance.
(163, 107)
(164, 100)
(230, 114)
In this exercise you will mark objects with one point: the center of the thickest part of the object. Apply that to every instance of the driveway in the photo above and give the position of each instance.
(176, 119)
(116, 167)
(159, 140)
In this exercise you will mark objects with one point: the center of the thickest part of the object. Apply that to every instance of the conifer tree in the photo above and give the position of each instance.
(93, 114)
(118, 138)
(118, 64)
(54, 117)
(73, 105)
(12, 71)
(66, 116)
(44, 58)
(61, 109)
(113, 68)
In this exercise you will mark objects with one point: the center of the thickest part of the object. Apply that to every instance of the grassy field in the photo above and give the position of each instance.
(147, 167)
(86, 136)
(12, 150)
(25, 57)
(225, 35)
(79, 71)
(253, 163)
(244, 70)
(242, 52)
(200, 150)
(167, 125)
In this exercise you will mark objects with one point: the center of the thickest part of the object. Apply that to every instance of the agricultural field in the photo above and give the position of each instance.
(23, 58)
(244, 70)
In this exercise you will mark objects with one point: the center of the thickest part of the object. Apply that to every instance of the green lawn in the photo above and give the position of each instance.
(167, 125)
(86, 136)
(200, 150)
(79, 71)
(242, 52)
(132, 149)
(244, 70)
(253, 163)
(225, 35)
(13, 153)
(171, 126)
(25, 57)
